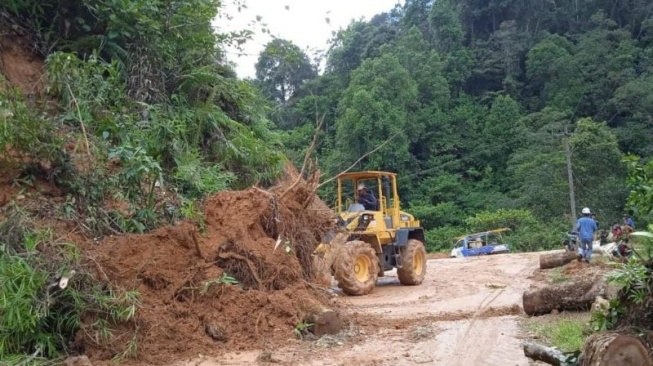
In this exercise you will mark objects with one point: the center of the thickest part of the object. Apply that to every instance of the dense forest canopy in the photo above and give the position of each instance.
(479, 99)
(135, 117)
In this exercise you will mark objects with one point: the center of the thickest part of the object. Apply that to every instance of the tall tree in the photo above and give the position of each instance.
(416, 14)
(540, 167)
(282, 69)
(375, 107)
(445, 25)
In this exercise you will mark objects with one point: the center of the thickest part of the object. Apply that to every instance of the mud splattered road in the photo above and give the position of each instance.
(465, 313)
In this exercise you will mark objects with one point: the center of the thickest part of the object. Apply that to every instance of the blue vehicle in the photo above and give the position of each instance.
(483, 243)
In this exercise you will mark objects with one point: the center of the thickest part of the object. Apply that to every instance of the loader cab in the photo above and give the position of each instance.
(383, 185)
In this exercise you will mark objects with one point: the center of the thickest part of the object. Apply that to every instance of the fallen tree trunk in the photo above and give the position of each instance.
(577, 295)
(614, 348)
(556, 259)
(544, 354)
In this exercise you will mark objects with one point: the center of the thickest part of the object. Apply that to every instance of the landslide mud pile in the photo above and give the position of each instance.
(187, 308)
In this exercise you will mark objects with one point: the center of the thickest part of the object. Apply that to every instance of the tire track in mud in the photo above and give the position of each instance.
(373, 322)
(481, 347)
(484, 350)
(470, 321)
(486, 335)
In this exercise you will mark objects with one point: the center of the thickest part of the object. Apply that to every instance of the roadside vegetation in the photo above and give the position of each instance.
(567, 332)
(141, 117)
(138, 119)
(475, 99)
(623, 310)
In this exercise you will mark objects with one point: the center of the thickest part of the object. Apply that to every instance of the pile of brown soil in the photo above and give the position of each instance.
(19, 64)
(186, 309)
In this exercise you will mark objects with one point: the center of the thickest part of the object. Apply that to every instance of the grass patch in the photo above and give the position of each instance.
(557, 276)
(565, 332)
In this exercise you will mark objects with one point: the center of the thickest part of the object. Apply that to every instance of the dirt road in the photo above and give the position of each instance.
(465, 313)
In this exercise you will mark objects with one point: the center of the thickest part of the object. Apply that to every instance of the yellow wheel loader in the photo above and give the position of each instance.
(373, 235)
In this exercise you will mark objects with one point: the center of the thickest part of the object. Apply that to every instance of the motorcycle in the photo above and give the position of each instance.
(622, 250)
(570, 242)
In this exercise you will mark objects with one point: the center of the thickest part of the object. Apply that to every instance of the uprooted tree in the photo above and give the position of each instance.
(130, 129)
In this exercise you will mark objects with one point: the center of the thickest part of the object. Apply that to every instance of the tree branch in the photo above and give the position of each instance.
(359, 160)
(307, 157)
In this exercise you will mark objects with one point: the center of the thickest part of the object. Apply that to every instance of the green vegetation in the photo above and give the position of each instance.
(140, 109)
(557, 276)
(301, 329)
(567, 332)
(148, 113)
(477, 99)
(633, 278)
(632, 307)
(39, 315)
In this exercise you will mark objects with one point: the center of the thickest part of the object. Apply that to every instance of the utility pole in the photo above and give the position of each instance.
(570, 176)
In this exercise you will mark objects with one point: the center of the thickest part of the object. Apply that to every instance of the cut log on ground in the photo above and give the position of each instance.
(556, 259)
(576, 295)
(544, 354)
(325, 321)
(613, 348)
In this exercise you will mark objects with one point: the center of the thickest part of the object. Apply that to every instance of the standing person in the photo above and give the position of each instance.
(586, 228)
(629, 223)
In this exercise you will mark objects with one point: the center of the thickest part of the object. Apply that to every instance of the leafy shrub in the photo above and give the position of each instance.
(513, 219)
(442, 238)
(539, 236)
(91, 92)
(37, 317)
(23, 132)
(633, 278)
(196, 178)
(442, 214)
(640, 182)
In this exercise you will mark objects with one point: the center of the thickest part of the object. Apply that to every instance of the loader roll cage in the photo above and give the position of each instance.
(385, 191)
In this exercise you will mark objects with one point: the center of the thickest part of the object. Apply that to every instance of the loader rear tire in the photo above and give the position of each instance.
(356, 268)
(413, 263)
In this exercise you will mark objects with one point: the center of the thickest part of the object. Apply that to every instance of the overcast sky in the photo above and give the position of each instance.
(303, 22)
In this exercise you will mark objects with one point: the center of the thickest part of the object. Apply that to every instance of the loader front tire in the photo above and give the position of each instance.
(413, 263)
(356, 268)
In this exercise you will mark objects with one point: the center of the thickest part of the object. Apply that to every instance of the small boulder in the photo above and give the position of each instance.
(78, 361)
(216, 332)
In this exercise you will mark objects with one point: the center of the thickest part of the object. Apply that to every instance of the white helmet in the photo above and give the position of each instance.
(586, 211)
(361, 186)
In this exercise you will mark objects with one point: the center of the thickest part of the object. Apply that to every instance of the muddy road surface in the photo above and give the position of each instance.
(465, 313)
